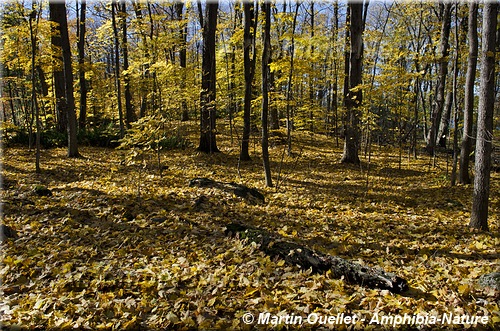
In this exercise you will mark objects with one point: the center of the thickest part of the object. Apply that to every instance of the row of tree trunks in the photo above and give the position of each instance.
(444, 46)
(305, 258)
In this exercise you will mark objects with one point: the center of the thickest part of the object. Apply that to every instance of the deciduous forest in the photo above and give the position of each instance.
(240, 165)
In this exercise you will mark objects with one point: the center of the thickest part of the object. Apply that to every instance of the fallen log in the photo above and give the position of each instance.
(242, 191)
(299, 255)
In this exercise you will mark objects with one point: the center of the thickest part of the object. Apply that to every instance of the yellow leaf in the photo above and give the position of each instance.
(250, 292)
(211, 302)
(463, 289)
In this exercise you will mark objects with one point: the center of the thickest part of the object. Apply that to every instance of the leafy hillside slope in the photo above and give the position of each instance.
(119, 247)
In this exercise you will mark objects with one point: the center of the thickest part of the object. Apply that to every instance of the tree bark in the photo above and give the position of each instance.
(298, 255)
(208, 114)
(129, 109)
(117, 69)
(57, 70)
(34, 103)
(311, 78)
(266, 9)
(479, 216)
(249, 55)
(289, 114)
(59, 12)
(143, 86)
(443, 131)
(466, 150)
(81, 66)
(353, 95)
(179, 7)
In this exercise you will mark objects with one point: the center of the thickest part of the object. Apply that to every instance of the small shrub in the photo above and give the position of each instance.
(101, 136)
(53, 138)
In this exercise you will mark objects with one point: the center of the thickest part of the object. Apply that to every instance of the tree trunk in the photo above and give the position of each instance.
(266, 9)
(179, 7)
(273, 109)
(11, 102)
(298, 255)
(479, 216)
(334, 101)
(129, 109)
(59, 9)
(208, 108)
(57, 71)
(249, 53)
(143, 86)
(444, 46)
(81, 66)
(34, 105)
(460, 42)
(353, 98)
(289, 115)
(117, 69)
(466, 150)
(311, 78)
(443, 131)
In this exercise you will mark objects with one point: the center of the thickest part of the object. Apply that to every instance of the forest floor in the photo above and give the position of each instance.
(120, 247)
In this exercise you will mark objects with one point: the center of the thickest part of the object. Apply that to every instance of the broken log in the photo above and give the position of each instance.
(299, 255)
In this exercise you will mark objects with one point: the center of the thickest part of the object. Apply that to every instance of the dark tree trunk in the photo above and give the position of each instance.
(466, 150)
(44, 88)
(289, 113)
(334, 92)
(59, 12)
(143, 86)
(298, 255)
(58, 73)
(311, 78)
(11, 102)
(460, 42)
(81, 66)
(353, 99)
(208, 143)
(117, 69)
(34, 104)
(179, 7)
(266, 9)
(249, 53)
(129, 109)
(437, 111)
(479, 216)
